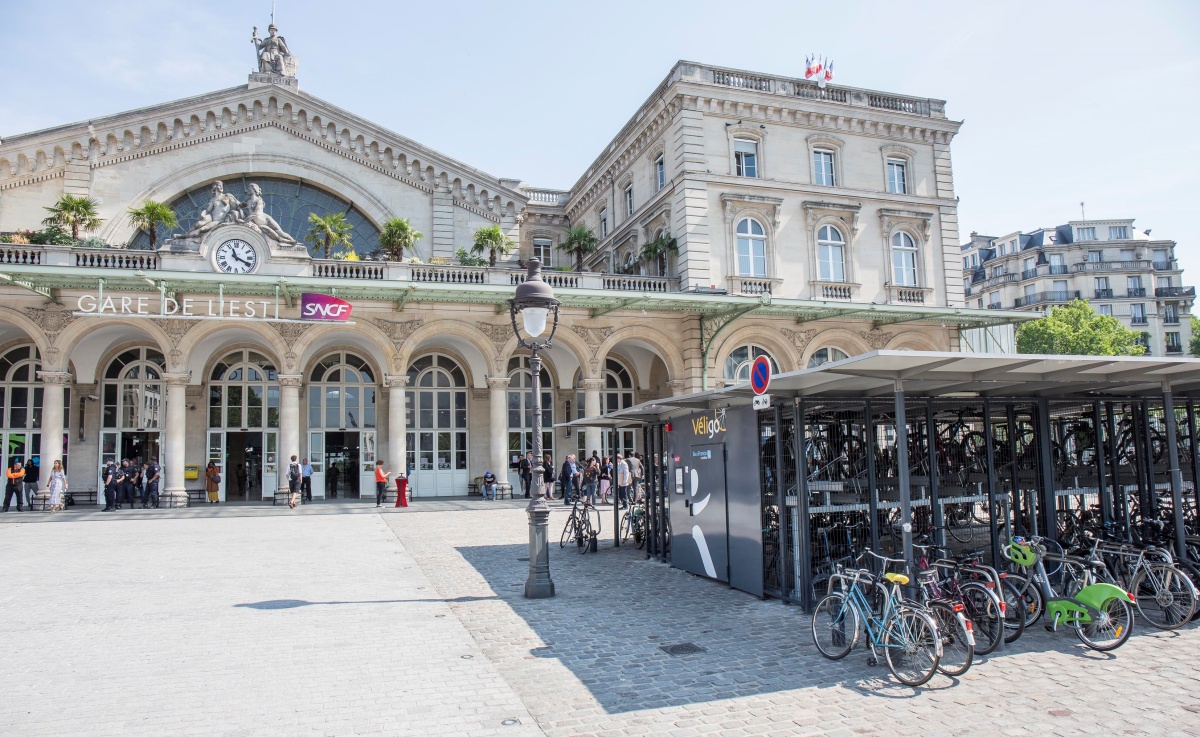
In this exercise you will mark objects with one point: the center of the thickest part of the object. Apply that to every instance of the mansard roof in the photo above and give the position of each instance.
(38, 155)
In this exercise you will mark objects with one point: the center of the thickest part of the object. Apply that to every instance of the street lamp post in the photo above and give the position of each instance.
(534, 302)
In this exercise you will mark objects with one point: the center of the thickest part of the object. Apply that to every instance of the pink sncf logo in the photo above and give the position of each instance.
(323, 307)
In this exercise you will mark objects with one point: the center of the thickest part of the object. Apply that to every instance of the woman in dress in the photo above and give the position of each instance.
(548, 475)
(212, 482)
(57, 485)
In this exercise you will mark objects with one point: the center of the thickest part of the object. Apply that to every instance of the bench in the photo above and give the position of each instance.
(503, 488)
(80, 497)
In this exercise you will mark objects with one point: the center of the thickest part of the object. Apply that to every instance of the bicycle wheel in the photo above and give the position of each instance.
(983, 608)
(834, 627)
(958, 528)
(957, 649)
(1031, 598)
(639, 531)
(1014, 611)
(1111, 629)
(568, 532)
(911, 646)
(625, 525)
(1164, 595)
(584, 534)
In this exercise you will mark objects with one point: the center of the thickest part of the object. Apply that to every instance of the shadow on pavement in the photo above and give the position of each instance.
(297, 603)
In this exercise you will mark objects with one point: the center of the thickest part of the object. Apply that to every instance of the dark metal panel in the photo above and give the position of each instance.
(1176, 475)
(744, 497)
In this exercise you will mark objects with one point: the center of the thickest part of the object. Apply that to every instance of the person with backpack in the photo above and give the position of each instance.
(294, 474)
(30, 480)
(108, 478)
(489, 486)
(13, 486)
(212, 482)
(591, 476)
(624, 479)
(151, 475)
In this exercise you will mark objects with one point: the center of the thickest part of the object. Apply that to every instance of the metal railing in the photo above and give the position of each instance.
(1174, 348)
(995, 306)
(115, 258)
(1164, 265)
(1112, 266)
(1104, 294)
(1029, 273)
(338, 269)
(1174, 291)
(1056, 269)
(20, 254)
(1046, 298)
(1136, 292)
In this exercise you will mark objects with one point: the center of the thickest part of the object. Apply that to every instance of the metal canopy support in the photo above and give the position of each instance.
(711, 326)
(1192, 440)
(872, 481)
(989, 444)
(281, 289)
(1047, 502)
(802, 541)
(41, 291)
(902, 474)
(1176, 474)
(1105, 488)
(624, 304)
(934, 482)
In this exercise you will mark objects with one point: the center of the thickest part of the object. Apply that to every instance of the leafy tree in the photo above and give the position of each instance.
(1194, 348)
(329, 232)
(53, 235)
(75, 213)
(397, 235)
(466, 259)
(580, 242)
(1076, 330)
(493, 241)
(150, 216)
(657, 250)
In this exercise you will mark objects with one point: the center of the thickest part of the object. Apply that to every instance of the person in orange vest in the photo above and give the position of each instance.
(381, 481)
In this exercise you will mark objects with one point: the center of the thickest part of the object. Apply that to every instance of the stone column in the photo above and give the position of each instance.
(174, 491)
(53, 383)
(498, 427)
(289, 424)
(591, 408)
(397, 455)
(678, 386)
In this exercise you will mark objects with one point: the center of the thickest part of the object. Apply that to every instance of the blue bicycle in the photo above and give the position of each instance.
(907, 635)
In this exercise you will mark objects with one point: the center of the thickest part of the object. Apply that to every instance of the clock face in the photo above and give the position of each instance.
(236, 256)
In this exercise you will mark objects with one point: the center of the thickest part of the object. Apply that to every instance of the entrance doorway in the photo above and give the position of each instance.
(243, 472)
(342, 462)
(139, 447)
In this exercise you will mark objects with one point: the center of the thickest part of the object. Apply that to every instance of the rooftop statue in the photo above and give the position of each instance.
(274, 57)
(225, 209)
(258, 219)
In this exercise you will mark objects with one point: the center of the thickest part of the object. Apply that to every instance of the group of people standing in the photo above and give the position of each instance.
(22, 483)
(596, 475)
(130, 483)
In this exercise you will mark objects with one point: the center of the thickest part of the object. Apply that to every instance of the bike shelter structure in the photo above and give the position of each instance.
(890, 448)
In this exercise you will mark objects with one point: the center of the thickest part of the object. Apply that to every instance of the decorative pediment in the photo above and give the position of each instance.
(735, 203)
(921, 222)
(848, 214)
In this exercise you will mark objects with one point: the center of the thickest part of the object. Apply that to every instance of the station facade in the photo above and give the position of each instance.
(810, 223)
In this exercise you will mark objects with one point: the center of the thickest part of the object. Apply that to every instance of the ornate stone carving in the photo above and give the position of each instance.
(397, 332)
(497, 382)
(180, 379)
(274, 56)
(591, 385)
(290, 380)
(52, 320)
(55, 377)
(498, 334)
(256, 218)
(175, 329)
(800, 338)
(291, 331)
(480, 394)
(221, 208)
(592, 336)
(875, 338)
(395, 381)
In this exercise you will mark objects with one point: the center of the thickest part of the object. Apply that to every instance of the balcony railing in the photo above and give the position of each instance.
(1164, 266)
(1046, 298)
(1174, 349)
(1113, 266)
(1104, 294)
(1139, 320)
(1056, 269)
(114, 258)
(1028, 274)
(908, 295)
(995, 306)
(1169, 319)
(1175, 292)
(1136, 292)
(337, 269)
(754, 285)
(23, 255)
(837, 291)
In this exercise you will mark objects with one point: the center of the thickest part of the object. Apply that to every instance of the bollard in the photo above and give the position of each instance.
(401, 492)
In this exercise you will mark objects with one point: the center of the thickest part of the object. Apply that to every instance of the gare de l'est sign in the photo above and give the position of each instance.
(313, 306)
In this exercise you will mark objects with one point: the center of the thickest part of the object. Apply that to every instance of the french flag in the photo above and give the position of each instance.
(829, 72)
(812, 66)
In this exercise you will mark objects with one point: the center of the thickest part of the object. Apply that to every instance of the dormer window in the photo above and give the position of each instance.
(1118, 232)
(1085, 234)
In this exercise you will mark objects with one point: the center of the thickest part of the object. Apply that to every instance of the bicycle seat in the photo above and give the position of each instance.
(899, 578)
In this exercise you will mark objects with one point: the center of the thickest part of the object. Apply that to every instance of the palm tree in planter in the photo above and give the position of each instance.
(75, 213)
(397, 235)
(492, 240)
(330, 231)
(657, 250)
(580, 242)
(150, 216)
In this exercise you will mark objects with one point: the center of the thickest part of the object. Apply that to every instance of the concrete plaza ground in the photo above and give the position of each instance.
(334, 619)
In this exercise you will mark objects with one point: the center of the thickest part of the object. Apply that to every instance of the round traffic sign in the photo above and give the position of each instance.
(760, 374)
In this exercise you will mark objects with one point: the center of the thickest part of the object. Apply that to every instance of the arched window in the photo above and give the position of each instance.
(133, 392)
(831, 254)
(341, 393)
(437, 425)
(751, 248)
(21, 405)
(520, 409)
(904, 260)
(825, 355)
(617, 393)
(243, 392)
(737, 365)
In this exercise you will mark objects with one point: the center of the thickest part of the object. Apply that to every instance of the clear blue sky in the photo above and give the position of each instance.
(1062, 101)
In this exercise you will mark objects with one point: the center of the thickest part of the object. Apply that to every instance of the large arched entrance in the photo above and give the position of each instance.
(617, 393)
(21, 406)
(520, 413)
(437, 426)
(243, 425)
(342, 393)
(132, 406)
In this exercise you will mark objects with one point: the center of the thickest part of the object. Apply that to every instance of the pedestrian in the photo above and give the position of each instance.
(239, 472)
(306, 472)
(381, 482)
(29, 482)
(636, 471)
(591, 477)
(109, 479)
(569, 479)
(295, 474)
(135, 483)
(13, 486)
(212, 481)
(623, 480)
(548, 475)
(525, 468)
(152, 476)
(124, 487)
(57, 485)
(605, 479)
(489, 486)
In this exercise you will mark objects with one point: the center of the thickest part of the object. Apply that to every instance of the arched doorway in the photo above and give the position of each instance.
(243, 425)
(436, 419)
(21, 406)
(132, 409)
(342, 393)
(520, 413)
(616, 394)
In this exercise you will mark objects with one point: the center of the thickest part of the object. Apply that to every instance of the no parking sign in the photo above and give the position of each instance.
(760, 375)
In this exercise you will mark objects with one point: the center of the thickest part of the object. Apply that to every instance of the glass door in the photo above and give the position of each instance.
(316, 458)
(366, 455)
(270, 469)
(216, 454)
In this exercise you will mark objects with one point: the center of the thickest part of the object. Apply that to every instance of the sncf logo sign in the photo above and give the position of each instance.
(323, 307)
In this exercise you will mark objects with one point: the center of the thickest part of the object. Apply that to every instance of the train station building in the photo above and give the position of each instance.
(810, 223)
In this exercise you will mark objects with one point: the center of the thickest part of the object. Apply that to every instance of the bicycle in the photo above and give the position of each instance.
(1163, 593)
(579, 526)
(633, 523)
(908, 636)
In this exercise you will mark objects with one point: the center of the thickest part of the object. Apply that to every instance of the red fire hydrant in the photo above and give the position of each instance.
(401, 492)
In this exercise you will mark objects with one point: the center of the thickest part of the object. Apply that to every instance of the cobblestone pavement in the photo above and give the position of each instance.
(335, 619)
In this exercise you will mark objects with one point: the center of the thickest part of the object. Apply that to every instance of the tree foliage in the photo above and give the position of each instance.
(329, 232)
(1077, 330)
(397, 235)
(492, 241)
(657, 250)
(1194, 347)
(150, 216)
(76, 213)
(580, 242)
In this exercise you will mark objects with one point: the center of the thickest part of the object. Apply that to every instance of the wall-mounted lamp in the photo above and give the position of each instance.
(189, 405)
